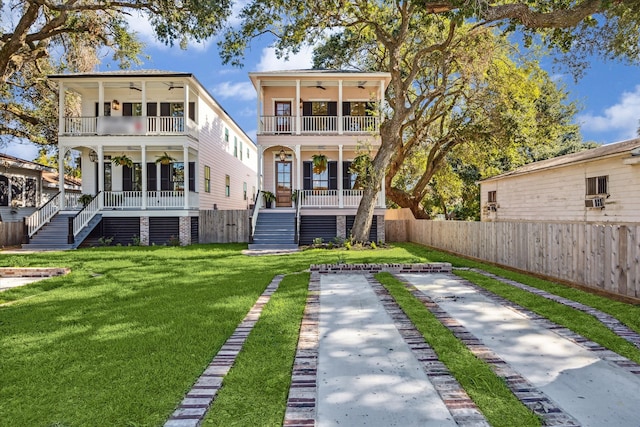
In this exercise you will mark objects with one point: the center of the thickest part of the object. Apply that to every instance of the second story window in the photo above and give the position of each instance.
(235, 146)
(597, 186)
(492, 196)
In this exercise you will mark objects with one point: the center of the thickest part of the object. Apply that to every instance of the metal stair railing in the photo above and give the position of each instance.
(36, 220)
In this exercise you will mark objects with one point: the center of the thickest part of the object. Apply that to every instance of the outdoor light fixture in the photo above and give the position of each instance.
(283, 155)
(115, 105)
(93, 156)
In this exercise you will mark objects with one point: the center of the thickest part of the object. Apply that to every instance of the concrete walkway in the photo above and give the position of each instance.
(370, 368)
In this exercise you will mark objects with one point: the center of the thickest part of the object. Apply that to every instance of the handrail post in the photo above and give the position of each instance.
(25, 231)
(70, 231)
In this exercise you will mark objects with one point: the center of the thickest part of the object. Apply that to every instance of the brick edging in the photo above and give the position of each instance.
(607, 320)
(434, 267)
(7, 272)
(527, 393)
(462, 408)
(302, 400)
(195, 405)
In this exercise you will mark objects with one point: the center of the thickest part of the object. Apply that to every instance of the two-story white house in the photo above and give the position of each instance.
(312, 124)
(155, 148)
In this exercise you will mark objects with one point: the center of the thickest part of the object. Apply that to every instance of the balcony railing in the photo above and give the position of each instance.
(334, 198)
(128, 125)
(154, 200)
(319, 124)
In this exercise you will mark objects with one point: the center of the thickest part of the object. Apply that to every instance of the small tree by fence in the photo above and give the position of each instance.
(604, 257)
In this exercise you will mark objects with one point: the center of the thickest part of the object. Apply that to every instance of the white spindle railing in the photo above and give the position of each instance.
(320, 124)
(155, 199)
(278, 124)
(72, 200)
(129, 125)
(360, 124)
(331, 198)
(80, 125)
(85, 215)
(42, 215)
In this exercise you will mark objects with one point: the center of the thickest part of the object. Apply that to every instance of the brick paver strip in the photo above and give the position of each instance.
(606, 319)
(196, 403)
(301, 403)
(598, 350)
(527, 393)
(463, 410)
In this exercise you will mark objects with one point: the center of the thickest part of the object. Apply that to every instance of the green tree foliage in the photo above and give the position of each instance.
(407, 36)
(38, 38)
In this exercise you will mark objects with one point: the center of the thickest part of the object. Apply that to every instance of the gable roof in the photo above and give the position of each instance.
(604, 151)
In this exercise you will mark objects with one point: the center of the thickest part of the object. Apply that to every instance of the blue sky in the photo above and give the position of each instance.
(608, 94)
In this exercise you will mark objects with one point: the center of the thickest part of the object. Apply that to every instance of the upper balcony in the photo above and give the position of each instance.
(128, 125)
(319, 102)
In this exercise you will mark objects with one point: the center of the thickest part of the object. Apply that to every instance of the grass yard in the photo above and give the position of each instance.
(122, 338)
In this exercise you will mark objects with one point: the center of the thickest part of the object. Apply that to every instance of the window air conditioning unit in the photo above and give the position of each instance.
(597, 202)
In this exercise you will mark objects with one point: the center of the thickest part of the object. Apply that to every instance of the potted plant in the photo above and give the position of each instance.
(15, 205)
(122, 160)
(296, 197)
(165, 159)
(85, 199)
(269, 197)
(319, 163)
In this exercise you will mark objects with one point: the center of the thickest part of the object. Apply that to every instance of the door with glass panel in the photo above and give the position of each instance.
(283, 116)
(283, 184)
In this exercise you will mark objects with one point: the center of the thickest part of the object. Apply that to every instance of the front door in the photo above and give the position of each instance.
(283, 184)
(283, 116)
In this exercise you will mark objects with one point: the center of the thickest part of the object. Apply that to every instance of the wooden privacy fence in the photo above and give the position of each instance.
(223, 226)
(605, 257)
(11, 233)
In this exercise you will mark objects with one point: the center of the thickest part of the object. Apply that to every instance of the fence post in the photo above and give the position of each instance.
(25, 231)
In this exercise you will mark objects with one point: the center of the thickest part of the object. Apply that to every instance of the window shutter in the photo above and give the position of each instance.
(152, 109)
(346, 176)
(165, 178)
(127, 174)
(97, 112)
(333, 175)
(307, 183)
(192, 111)
(192, 176)
(346, 108)
(332, 108)
(152, 177)
(307, 109)
(127, 109)
(165, 109)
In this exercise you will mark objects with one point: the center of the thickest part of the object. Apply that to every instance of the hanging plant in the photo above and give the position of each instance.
(122, 160)
(319, 163)
(165, 159)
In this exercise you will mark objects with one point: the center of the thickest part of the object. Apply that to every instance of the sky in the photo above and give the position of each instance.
(608, 94)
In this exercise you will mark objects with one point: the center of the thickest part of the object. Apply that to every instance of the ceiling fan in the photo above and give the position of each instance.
(172, 86)
(134, 87)
(319, 86)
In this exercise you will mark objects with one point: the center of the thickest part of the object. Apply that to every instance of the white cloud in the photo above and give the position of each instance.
(620, 119)
(241, 91)
(24, 150)
(299, 61)
(139, 23)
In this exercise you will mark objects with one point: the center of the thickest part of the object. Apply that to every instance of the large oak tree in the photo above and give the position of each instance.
(576, 28)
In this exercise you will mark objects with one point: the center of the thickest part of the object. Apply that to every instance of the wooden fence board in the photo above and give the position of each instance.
(593, 255)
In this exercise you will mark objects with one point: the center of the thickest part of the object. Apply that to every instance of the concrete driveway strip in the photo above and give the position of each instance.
(594, 391)
(367, 374)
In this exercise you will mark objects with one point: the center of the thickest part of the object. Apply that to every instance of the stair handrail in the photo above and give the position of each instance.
(86, 214)
(297, 218)
(40, 217)
(254, 215)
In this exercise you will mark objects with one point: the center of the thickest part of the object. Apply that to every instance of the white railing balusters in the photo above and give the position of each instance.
(85, 215)
(330, 198)
(40, 217)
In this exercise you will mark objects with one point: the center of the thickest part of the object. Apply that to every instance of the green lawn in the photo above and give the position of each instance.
(124, 336)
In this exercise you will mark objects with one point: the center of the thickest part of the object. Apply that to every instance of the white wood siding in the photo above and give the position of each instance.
(558, 194)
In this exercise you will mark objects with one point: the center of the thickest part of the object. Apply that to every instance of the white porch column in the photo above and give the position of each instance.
(298, 168)
(340, 184)
(186, 107)
(100, 99)
(61, 152)
(340, 120)
(61, 102)
(297, 106)
(259, 108)
(143, 113)
(260, 166)
(101, 175)
(143, 154)
(185, 155)
(382, 100)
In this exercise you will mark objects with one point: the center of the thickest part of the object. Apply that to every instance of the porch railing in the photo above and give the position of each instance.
(155, 200)
(129, 125)
(334, 199)
(319, 124)
(40, 217)
(83, 217)
(255, 213)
